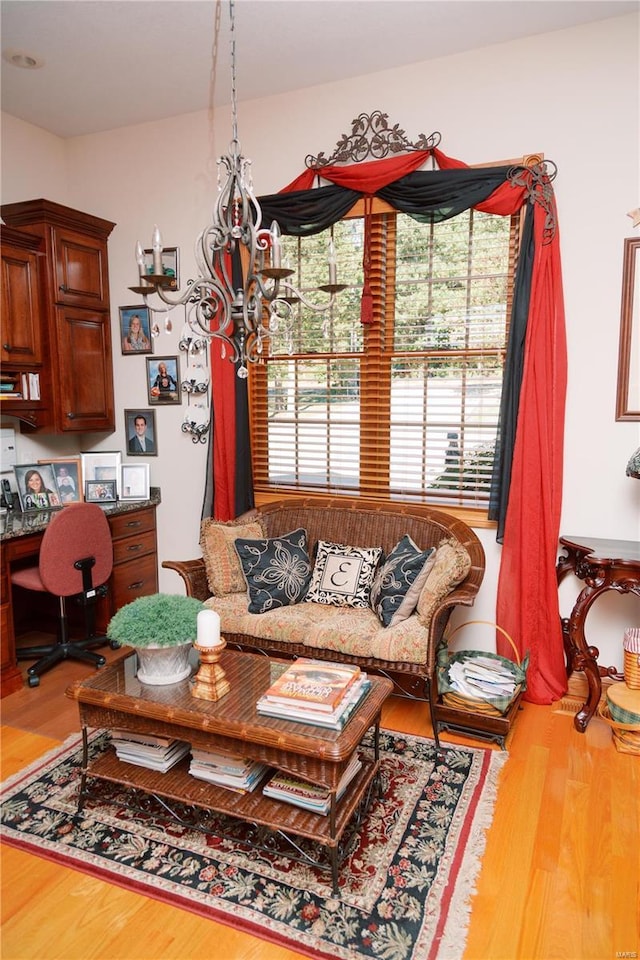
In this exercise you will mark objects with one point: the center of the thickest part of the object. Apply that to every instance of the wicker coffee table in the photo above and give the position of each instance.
(115, 699)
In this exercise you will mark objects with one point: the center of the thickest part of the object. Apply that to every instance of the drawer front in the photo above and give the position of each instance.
(138, 578)
(130, 524)
(130, 547)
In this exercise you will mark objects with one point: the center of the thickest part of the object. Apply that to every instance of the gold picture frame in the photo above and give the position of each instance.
(628, 393)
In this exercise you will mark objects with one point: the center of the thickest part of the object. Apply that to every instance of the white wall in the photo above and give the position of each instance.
(572, 94)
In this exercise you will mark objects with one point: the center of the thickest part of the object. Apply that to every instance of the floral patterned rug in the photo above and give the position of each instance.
(405, 884)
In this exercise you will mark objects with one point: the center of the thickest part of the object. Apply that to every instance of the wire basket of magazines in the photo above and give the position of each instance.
(480, 681)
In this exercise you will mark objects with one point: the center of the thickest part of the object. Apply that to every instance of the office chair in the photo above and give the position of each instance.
(76, 559)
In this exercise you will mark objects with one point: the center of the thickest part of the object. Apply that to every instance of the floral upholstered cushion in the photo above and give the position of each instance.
(451, 565)
(399, 581)
(217, 539)
(342, 575)
(277, 571)
(350, 630)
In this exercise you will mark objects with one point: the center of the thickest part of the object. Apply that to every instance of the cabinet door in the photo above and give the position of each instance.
(81, 269)
(21, 310)
(85, 379)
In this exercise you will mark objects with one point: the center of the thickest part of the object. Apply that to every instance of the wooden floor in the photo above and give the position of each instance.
(559, 880)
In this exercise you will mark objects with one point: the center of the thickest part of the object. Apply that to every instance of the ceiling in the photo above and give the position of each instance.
(112, 63)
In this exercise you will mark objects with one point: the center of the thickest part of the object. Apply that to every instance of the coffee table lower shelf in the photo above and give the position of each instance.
(266, 818)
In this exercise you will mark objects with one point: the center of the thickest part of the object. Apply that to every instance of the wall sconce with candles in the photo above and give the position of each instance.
(240, 273)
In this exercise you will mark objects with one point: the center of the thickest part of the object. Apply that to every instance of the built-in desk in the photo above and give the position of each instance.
(135, 567)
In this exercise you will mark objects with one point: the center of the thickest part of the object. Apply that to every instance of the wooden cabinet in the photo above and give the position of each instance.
(22, 321)
(77, 381)
(23, 336)
(135, 558)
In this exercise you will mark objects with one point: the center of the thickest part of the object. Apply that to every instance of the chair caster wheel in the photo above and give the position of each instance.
(114, 644)
(33, 680)
(101, 662)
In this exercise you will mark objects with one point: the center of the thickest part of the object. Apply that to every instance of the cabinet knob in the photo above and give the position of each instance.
(63, 288)
(7, 347)
(71, 416)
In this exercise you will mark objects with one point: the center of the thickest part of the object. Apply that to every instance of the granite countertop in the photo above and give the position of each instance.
(15, 524)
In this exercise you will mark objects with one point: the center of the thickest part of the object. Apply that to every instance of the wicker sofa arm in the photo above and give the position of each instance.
(194, 574)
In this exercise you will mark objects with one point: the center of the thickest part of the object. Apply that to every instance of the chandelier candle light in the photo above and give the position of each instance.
(242, 317)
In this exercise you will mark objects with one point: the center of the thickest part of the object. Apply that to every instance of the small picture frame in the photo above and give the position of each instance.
(68, 474)
(163, 380)
(140, 433)
(170, 265)
(100, 491)
(102, 465)
(135, 331)
(135, 481)
(36, 486)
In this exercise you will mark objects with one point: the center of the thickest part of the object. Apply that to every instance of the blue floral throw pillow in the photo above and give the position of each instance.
(399, 581)
(277, 571)
(342, 575)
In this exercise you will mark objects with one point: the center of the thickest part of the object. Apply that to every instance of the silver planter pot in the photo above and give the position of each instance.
(163, 665)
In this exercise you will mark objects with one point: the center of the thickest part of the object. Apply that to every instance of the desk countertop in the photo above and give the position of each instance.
(14, 524)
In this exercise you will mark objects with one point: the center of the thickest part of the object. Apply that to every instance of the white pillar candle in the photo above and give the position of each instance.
(208, 628)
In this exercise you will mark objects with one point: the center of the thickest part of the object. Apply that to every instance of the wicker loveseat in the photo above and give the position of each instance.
(405, 652)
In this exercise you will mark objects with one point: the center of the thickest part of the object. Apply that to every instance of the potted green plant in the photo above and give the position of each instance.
(161, 628)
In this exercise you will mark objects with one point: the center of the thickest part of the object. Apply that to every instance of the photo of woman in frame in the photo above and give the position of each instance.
(136, 330)
(36, 486)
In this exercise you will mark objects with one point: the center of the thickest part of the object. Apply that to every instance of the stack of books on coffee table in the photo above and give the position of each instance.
(146, 750)
(234, 773)
(311, 691)
(309, 796)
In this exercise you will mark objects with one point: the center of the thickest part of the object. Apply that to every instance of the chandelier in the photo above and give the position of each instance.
(240, 307)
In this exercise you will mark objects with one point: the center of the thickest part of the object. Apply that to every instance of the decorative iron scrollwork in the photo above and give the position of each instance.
(537, 180)
(371, 136)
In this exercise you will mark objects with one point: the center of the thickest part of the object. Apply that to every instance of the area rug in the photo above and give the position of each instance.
(405, 884)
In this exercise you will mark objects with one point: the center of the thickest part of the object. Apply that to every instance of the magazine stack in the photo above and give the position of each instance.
(234, 773)
(309, 796)
(146, 750)
(311, 691)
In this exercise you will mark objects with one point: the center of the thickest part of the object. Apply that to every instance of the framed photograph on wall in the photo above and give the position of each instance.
(135, 481)
(68, 474)
(100, 491)
(135, 331)
(36, 486)
(170, 265)
(103, 465)
(140, 431)
(163, 380)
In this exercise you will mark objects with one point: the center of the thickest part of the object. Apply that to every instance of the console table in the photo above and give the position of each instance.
(603, 565)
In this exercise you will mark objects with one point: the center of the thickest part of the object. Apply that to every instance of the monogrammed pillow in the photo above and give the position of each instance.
(217, 539)
(342, 575)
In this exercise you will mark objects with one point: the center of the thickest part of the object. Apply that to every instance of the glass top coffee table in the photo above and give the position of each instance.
(114, 698)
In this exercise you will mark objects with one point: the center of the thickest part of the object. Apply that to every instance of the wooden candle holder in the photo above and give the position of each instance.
(210, 682)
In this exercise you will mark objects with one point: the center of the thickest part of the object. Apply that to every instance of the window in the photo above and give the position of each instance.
(405, 407)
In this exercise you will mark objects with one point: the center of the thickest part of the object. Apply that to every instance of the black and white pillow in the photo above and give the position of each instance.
(277, 570)
(399, 581)
(342, 575)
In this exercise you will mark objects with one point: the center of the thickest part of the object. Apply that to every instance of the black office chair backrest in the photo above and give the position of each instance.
(79, 530)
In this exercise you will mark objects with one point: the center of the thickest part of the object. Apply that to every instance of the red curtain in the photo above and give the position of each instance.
(527, 606)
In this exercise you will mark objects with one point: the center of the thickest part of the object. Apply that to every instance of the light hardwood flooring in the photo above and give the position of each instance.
(560, 877)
